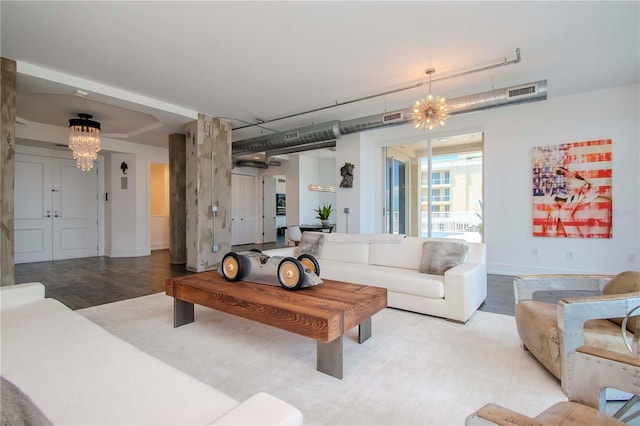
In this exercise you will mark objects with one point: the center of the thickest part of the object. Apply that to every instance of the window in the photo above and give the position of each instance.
(448, 174)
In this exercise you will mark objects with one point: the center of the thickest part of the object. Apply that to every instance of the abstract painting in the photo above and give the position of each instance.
(572, 190)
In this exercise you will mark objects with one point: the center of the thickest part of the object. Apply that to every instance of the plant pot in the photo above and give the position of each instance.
(325, 222)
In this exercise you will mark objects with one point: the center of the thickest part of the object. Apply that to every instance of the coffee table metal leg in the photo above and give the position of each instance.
(182, 312)
(364, 330)
(330, 358)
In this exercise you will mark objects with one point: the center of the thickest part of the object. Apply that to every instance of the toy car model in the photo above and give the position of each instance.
(255, 266)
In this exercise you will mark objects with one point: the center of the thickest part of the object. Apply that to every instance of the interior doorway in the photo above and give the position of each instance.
(55, 209)
(159, 206)
(274, 209)
(269, 229)
(242, 209)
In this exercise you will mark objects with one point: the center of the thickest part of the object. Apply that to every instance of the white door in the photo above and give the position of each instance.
(242, 209)
(269, 209)
(33, 210)
(56, 210)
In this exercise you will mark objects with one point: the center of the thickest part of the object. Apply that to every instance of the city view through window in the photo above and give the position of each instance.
(434, 188)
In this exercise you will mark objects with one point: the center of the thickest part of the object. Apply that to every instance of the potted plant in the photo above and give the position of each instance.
(323, 213)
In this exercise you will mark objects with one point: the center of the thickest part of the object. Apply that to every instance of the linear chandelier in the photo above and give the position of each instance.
(429, 112)
(84, 140)
(321, 188)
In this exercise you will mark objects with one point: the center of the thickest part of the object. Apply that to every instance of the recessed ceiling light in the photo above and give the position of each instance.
(81, 93)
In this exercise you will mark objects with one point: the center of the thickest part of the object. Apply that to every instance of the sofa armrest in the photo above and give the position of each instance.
(261, 409)
(525, 285)
(20, 294)
(574, 312)
(465, 287)
(492, 414)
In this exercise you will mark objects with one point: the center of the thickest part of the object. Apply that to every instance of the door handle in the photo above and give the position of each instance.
(47, 214)
(55, 214)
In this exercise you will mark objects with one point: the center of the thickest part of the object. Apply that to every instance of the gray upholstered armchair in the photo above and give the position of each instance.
(552, 331)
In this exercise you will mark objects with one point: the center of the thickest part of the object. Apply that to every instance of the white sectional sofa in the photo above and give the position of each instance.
(394, 262)
(75, 372)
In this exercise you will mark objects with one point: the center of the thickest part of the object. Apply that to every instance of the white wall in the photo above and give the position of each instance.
(509, 135)
(138, 173)
(327, 177)
(348, 151)
(122, 207)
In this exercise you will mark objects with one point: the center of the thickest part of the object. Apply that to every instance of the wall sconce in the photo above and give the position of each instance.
(124, 168)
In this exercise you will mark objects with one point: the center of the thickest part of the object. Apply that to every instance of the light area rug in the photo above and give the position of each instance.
(415, 369)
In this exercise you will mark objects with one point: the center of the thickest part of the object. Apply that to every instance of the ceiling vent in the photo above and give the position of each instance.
(392, 117)
(315, 136)
(522, 91)
(291, 136)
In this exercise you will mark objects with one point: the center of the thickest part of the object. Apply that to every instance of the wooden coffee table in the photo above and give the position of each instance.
(322, 312)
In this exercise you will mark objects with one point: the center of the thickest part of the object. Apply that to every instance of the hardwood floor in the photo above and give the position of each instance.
(81, 283)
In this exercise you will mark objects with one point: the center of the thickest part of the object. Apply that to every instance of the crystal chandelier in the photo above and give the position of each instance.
(429, 113)
(84, 140)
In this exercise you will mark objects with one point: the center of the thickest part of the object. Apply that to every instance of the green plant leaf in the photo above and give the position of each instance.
(324, 212)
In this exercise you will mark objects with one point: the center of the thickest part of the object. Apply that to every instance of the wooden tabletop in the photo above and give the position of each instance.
(322, 312)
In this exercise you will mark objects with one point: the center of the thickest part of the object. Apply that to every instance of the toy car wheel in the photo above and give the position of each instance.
(231, 268)
(310, 262)
(290, 273)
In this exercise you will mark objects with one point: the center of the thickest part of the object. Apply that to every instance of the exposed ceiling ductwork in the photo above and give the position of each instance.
(300, 148)
(295, 140)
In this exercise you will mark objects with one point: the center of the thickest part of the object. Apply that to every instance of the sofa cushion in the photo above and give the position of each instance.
(407, 281)
(603, 333)
(625, 282)
(440, 256)
(310, 243)
(398, 280)
(345, 252)
(405, 253)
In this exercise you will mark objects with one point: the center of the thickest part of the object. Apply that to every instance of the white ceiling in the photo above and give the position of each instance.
(149, 67)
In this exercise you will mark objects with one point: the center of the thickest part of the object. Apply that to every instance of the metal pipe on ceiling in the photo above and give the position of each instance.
(332, 130)
(505, 62)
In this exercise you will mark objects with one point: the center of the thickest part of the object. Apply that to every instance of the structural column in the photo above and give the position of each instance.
(208, 192)
(177, 199)
(7, 172)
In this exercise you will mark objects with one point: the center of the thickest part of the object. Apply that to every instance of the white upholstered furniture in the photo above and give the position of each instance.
(294, 234)
(76, 372)
(393, 262)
